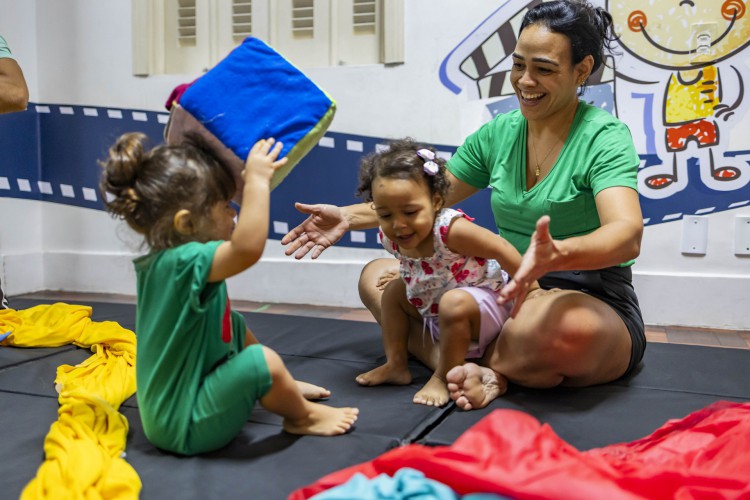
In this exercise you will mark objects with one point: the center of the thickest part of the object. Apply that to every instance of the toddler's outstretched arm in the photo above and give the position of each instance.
(249, 236)
(467, 238)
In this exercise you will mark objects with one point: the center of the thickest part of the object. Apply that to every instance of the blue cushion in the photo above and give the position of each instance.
(255, 93)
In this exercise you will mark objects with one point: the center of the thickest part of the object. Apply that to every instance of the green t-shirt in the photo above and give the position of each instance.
(183, 333)
(598, 153)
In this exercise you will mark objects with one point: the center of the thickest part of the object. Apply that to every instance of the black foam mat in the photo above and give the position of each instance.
(264, 462)
(697, 369)
(37, 378)
(671, 382)
(318, 337)
(15, 357)
(587, 418)
(25, 422)
(385, 410)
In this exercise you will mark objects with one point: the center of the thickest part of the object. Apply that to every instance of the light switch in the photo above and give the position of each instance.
(742, 235)
(694, 235)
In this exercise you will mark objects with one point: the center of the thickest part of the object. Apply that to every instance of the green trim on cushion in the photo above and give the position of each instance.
(304, 145)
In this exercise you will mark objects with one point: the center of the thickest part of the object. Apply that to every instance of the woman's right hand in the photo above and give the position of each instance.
(537, 261)
(325, 226)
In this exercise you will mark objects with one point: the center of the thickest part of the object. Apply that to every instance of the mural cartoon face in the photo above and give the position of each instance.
(698, 44)
(681, 34)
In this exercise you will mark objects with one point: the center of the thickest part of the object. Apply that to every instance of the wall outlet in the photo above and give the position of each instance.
(742, 235)
(694, 235)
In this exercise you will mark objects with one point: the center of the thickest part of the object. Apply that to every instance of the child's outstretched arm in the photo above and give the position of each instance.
(466, 238)
(249, 237)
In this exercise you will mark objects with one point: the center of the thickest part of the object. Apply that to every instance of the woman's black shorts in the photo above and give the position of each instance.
(614, 286)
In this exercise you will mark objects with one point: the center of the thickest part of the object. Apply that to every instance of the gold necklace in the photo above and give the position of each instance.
(539, 164)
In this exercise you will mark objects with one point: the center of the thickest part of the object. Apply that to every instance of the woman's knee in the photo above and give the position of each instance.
(565, 330)
(559, 345)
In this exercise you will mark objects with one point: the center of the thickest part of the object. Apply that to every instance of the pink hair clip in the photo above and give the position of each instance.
(430, 167)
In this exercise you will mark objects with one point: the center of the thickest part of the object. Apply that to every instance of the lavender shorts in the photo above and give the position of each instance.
(493, 317)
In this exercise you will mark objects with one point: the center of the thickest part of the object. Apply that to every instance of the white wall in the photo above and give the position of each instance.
(21, 254)
(711, 290)
(79, 52)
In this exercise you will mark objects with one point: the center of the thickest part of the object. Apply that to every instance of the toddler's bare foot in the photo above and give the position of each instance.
(472, 386)
(310, 391)
(385, 374)
(322, 420)
(434, 393)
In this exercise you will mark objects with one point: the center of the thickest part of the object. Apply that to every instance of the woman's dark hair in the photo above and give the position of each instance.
(589, 29)
(401, 161)
(146, 188)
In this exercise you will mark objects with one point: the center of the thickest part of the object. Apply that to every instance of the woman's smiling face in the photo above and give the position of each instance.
(677, 34)
(543, 75)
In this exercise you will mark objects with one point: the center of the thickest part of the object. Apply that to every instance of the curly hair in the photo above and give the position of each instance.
(401, 161)
(146, 188)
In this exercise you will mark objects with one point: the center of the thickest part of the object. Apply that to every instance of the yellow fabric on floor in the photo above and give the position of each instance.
(84, 447)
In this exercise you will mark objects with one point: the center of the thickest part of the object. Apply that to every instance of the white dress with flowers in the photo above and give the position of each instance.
(428, 278)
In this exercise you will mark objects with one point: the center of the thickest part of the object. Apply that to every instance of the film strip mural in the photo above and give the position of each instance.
(50, 153)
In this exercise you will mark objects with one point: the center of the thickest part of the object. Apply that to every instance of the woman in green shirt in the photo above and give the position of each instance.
(563, 180)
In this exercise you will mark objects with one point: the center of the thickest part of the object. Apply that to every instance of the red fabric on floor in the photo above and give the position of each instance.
(704, 455)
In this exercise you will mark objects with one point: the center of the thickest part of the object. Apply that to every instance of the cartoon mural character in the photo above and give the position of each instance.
(688, 39)
(692, 51)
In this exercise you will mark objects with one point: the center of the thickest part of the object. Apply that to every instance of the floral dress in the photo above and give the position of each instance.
(428, 278)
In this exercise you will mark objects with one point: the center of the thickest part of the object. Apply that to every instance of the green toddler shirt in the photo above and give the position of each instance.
(184, 333)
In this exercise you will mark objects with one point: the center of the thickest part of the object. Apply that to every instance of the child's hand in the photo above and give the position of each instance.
(261, 162)
(386, 278)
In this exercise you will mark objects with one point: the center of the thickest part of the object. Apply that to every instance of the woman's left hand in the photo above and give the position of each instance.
(536, 262)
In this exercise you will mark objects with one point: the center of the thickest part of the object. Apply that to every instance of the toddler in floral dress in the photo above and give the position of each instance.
(451, 269)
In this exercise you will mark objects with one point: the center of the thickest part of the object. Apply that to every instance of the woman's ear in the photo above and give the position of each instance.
(183, 222)
(583, 69)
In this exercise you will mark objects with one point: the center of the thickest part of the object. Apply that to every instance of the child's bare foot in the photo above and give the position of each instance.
(434, 393)
(322, 420)
(472, 386)
(310, 391)
(385, 374)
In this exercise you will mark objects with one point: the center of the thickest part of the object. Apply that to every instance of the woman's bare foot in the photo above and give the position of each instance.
(472, 386)
(434, 393)
(322, 420)
(385, 374)
(310, 391)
